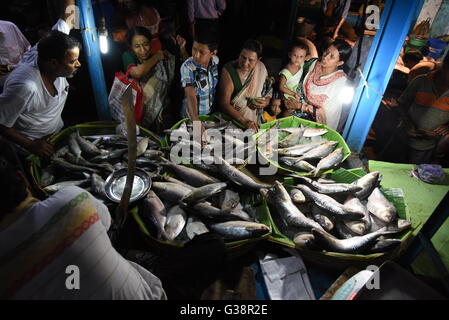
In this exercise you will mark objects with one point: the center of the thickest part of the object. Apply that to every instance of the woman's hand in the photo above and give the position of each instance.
(251, 125)
(180, 41)
(293, 104)
(320, 116)
(259, 103)
(41, 147)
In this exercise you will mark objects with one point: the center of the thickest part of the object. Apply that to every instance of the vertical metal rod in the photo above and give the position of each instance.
(92, 51)
(396, 20)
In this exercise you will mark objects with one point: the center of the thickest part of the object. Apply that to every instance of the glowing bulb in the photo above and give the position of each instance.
(347, 94)
(104, 44)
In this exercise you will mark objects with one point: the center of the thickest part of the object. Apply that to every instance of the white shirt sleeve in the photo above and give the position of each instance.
(14, 101)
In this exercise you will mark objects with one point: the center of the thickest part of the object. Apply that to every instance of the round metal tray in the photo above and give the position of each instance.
(115, 185)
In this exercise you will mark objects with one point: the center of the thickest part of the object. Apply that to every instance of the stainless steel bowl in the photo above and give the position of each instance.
(115, 185)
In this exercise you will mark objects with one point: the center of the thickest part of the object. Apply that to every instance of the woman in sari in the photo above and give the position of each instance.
(323, 86)
(155, 74)
(244, 88)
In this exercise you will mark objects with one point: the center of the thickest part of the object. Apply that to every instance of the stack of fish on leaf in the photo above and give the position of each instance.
(222, 137)
(354, 218)
(86, 161)
(302, 149)
(187, 201)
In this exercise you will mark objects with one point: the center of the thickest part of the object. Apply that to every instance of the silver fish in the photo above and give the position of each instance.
(329, 204)
(69, 166)
(192, 176)
(142, 146)
(61, 152)
(297, 165)
(297, 196)
(47, 176)
(292, 139)
(201, 193)
(325, 181)
(87, 147)
(74, 146)
(195, 227)
(175, 223)
(381, 207)
(239, 230)
(368, 182)
(354, 204)
(174, 180)
(330, 161)
(116, 154)
(152, 154)
(288, 211)
(384, 245)
(320, 151)
(153, 210)
(334, 188)
(239, 212)
(313, 132)
(83, 162)
(98, 185)
(304, 240)
(228, 200)
(169, 191)
(353, 245)
(357, 227)
(61, 185)
(236, 175)
(343, 231)
(319, 215)
(205, 209)
(299, 149)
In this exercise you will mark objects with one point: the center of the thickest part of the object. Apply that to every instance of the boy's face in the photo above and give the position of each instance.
(275, 106)
(201, 54)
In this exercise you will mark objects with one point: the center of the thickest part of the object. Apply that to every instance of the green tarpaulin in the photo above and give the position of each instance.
(421, 199)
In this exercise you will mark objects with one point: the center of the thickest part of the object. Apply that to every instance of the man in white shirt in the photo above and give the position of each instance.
(35, 93)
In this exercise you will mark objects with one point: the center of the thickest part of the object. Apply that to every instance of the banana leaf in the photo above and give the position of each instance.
(295, 122)
(59, 140)
(343, 260)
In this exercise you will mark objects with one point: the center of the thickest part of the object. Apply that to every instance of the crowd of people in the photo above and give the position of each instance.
(176, 82)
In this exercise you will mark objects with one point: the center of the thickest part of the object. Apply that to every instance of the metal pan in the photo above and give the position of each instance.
(115, 184)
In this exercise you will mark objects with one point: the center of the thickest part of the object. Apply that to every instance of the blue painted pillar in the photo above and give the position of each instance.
(396, 19)
(93, 56)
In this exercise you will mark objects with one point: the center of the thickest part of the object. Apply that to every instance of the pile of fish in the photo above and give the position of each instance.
(303, 149)
(222, 138)
(182, 202)
(86, 161)
(351, 218)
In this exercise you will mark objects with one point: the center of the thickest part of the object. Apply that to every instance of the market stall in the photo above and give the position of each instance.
(234, 199)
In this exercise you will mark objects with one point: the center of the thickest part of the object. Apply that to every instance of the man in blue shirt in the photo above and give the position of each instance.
(199, 77)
